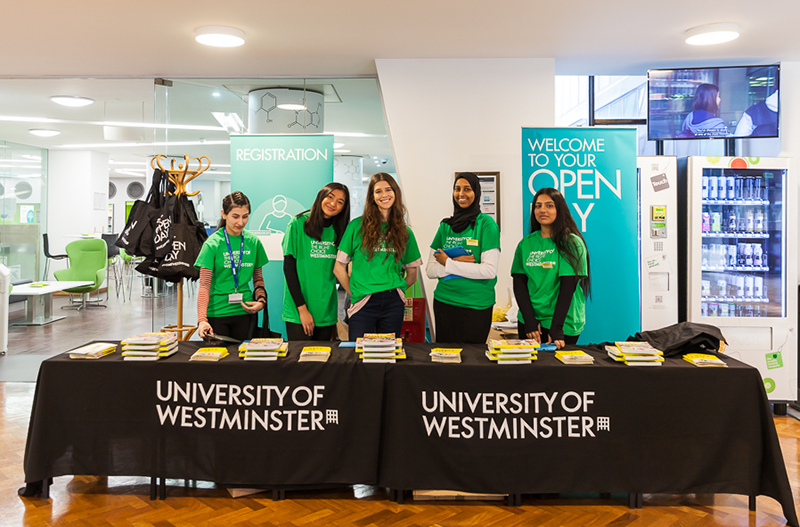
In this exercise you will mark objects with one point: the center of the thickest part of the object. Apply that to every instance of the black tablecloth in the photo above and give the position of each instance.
(673, 429)
(104, 417)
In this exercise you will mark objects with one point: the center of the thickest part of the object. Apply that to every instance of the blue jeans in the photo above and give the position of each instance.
(383, 313)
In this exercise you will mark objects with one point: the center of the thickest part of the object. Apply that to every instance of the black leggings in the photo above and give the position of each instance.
(295, 332)
(461, 324)
(239, 327)
(568, 339)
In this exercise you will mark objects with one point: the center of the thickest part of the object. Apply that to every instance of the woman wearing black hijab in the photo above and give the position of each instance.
(464, 297)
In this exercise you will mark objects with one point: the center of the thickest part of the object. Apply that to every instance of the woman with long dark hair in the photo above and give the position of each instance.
(704, 120)
(310, 302)
(551, 274)
(228, 261)
(464, 297)
(385, 258)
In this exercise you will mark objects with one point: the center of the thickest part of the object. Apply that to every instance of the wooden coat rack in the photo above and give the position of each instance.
(180, 177)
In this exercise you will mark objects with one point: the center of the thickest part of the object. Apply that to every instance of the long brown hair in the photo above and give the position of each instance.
(396, 235)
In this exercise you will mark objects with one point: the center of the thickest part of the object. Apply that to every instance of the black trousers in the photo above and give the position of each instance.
(239, 327)
(295, 332)
(568, 339)
(461, 324)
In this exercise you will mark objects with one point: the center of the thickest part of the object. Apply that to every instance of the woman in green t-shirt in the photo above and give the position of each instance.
(310, 302)
(229, 259)
(381, 248)
(551, 273)
(464, 297)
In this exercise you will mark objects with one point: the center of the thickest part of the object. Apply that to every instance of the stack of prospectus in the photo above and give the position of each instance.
(515, 351)
(380, 347)
(635, 353)
(149, 346)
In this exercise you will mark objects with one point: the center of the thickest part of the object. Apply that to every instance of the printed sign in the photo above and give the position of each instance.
(280, 175)
(595, 170)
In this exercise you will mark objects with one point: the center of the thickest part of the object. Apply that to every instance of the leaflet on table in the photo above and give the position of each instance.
(209, 354)
(446, 355)
(704, 360)
(95, 350)
(455, 252)
(574, 357)
(315, 354)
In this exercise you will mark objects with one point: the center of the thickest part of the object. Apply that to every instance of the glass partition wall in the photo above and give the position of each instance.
(23, 209)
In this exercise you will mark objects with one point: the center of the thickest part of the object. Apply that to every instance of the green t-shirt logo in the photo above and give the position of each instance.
(322, 249)
(537, 259)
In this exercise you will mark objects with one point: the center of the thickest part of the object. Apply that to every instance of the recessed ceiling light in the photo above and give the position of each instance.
(341, 151)
(41, 132)
(216, 94)
(712, 34)
(338, 145)
(220, 36)
(289, 106)
(71, 100)
(374, 157)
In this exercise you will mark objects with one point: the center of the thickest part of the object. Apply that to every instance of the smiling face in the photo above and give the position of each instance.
(236, 220)
(333, 203)
(463, 193)
(545, 210)
(383, 194)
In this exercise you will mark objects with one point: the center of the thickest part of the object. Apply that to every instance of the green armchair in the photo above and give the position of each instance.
(88, 261)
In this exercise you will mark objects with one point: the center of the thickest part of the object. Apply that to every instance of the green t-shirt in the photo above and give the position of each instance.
(540, 261)
(466, 292)
(382, 272)
(214, 255)
(315, 261)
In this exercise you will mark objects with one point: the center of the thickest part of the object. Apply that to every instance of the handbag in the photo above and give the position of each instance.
(186, 241)
(139, 218)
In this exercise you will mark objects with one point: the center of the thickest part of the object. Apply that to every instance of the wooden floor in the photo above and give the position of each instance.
(91, 501)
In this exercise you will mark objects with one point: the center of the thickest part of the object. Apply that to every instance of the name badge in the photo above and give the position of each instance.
(235, 298)
(472, 242)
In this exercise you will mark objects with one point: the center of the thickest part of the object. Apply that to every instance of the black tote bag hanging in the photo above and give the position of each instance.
(139, 218)
(179, 261)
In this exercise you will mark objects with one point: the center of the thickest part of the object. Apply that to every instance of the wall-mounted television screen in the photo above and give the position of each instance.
(713, 103)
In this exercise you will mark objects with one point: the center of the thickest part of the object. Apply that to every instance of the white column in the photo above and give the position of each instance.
(77, 197)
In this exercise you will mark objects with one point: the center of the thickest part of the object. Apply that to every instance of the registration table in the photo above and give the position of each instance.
(42, 293)
(475, 426)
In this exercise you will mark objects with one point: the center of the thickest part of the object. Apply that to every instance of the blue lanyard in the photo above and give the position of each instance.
(234, 268)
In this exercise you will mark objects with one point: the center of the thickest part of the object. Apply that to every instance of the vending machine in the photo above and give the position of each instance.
(658, 237)
(740, 261)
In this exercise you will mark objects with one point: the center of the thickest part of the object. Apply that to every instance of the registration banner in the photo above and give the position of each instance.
(595, 170)
(281, 175)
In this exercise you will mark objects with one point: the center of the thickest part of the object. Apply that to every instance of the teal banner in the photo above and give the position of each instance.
(595, 170)
(281, 175)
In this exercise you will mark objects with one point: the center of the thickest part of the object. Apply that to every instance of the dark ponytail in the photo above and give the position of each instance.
(234, 199)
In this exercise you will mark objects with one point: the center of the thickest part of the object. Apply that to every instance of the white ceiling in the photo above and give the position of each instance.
(311, 37)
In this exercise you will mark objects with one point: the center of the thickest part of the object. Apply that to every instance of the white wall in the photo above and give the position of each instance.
(455, 115)
(121, 197)
(73, 180)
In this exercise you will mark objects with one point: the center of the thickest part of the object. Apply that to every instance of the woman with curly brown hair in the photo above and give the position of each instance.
(385, 258)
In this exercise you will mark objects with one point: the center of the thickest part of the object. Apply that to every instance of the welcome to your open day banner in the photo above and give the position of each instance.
(595, 170)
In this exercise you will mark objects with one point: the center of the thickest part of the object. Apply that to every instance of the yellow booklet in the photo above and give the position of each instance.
(209, 354)
(93, 351)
